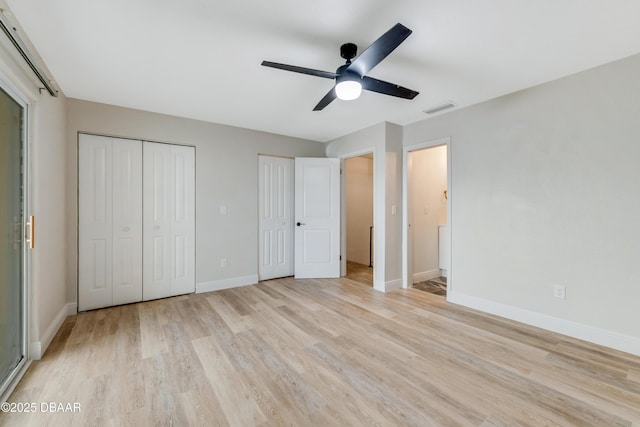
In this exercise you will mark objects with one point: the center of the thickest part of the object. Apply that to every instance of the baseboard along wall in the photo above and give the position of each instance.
(580, 331)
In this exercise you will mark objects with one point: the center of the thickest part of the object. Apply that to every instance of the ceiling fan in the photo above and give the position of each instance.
(351, 77)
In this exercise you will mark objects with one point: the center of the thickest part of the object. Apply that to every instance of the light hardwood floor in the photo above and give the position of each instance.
(360, 273)
(322, 353)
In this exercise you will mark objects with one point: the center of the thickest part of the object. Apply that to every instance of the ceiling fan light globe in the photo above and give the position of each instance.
(348, 90)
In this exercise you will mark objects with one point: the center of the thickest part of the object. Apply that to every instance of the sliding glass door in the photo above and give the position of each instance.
(12, 247)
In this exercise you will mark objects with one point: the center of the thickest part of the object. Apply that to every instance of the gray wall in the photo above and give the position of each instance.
(226, 174)
(545, 190)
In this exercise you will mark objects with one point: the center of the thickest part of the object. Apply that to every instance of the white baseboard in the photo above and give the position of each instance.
(426, 275)
(72, 308)
(391, 285)
(378, 285)
(580, 331)
(37, 348)
(232, 282)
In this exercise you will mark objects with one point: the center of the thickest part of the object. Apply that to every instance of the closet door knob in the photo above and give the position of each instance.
(156, 228)
(125, 229)
(300, 223)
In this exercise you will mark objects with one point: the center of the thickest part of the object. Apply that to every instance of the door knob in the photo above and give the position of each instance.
(125, 229)
(300, 223)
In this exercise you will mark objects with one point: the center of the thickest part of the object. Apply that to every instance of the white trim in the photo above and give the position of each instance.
(426, 275)
(35, 351)
(72, 308)
(38, 348)
(358, 153)
(379, 286)
(580, 331)
(232, 282)
(446, 141)
(392, 285)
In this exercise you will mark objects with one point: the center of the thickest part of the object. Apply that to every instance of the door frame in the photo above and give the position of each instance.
(378, 230)
(18, 372)
(406, 251)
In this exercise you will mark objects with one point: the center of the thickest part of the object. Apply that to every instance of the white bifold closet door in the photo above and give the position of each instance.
(136, 221)
(169, 220)
(110, 221)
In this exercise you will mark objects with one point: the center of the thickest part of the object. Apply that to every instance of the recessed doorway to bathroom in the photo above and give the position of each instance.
(427, 215)
(358, 187)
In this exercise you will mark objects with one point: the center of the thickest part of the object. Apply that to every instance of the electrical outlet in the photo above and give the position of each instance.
(559, 291)
(223, 262)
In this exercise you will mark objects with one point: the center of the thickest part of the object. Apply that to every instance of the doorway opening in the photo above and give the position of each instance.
(358, 230)
(427, 219)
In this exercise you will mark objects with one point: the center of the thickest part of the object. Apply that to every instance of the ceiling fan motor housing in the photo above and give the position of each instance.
(345, 74)
(348, 51)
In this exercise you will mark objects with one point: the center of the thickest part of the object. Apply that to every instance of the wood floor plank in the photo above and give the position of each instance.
(202, 408)
(151, 329)
(322, 353)
(235, 315)
(236, 400)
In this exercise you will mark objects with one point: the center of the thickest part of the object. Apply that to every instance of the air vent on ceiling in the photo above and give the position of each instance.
(444, 106)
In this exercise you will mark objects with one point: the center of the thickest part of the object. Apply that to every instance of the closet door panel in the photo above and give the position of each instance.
(95, 233)
(127, 221)
(136, 221)
(182, 220)
(157, 237)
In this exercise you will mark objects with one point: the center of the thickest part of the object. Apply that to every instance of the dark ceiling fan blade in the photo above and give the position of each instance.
(302, 70)
(380, 86)
(380, 49)
(330, 96)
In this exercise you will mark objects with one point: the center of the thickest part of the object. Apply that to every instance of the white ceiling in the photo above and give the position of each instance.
(201, 58)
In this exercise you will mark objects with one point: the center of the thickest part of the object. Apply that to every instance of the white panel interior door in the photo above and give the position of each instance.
(317, 215)
(110, 221)
(182, 216)
(169, 220)
(275, 224)
(95, 205)
(127, 221)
